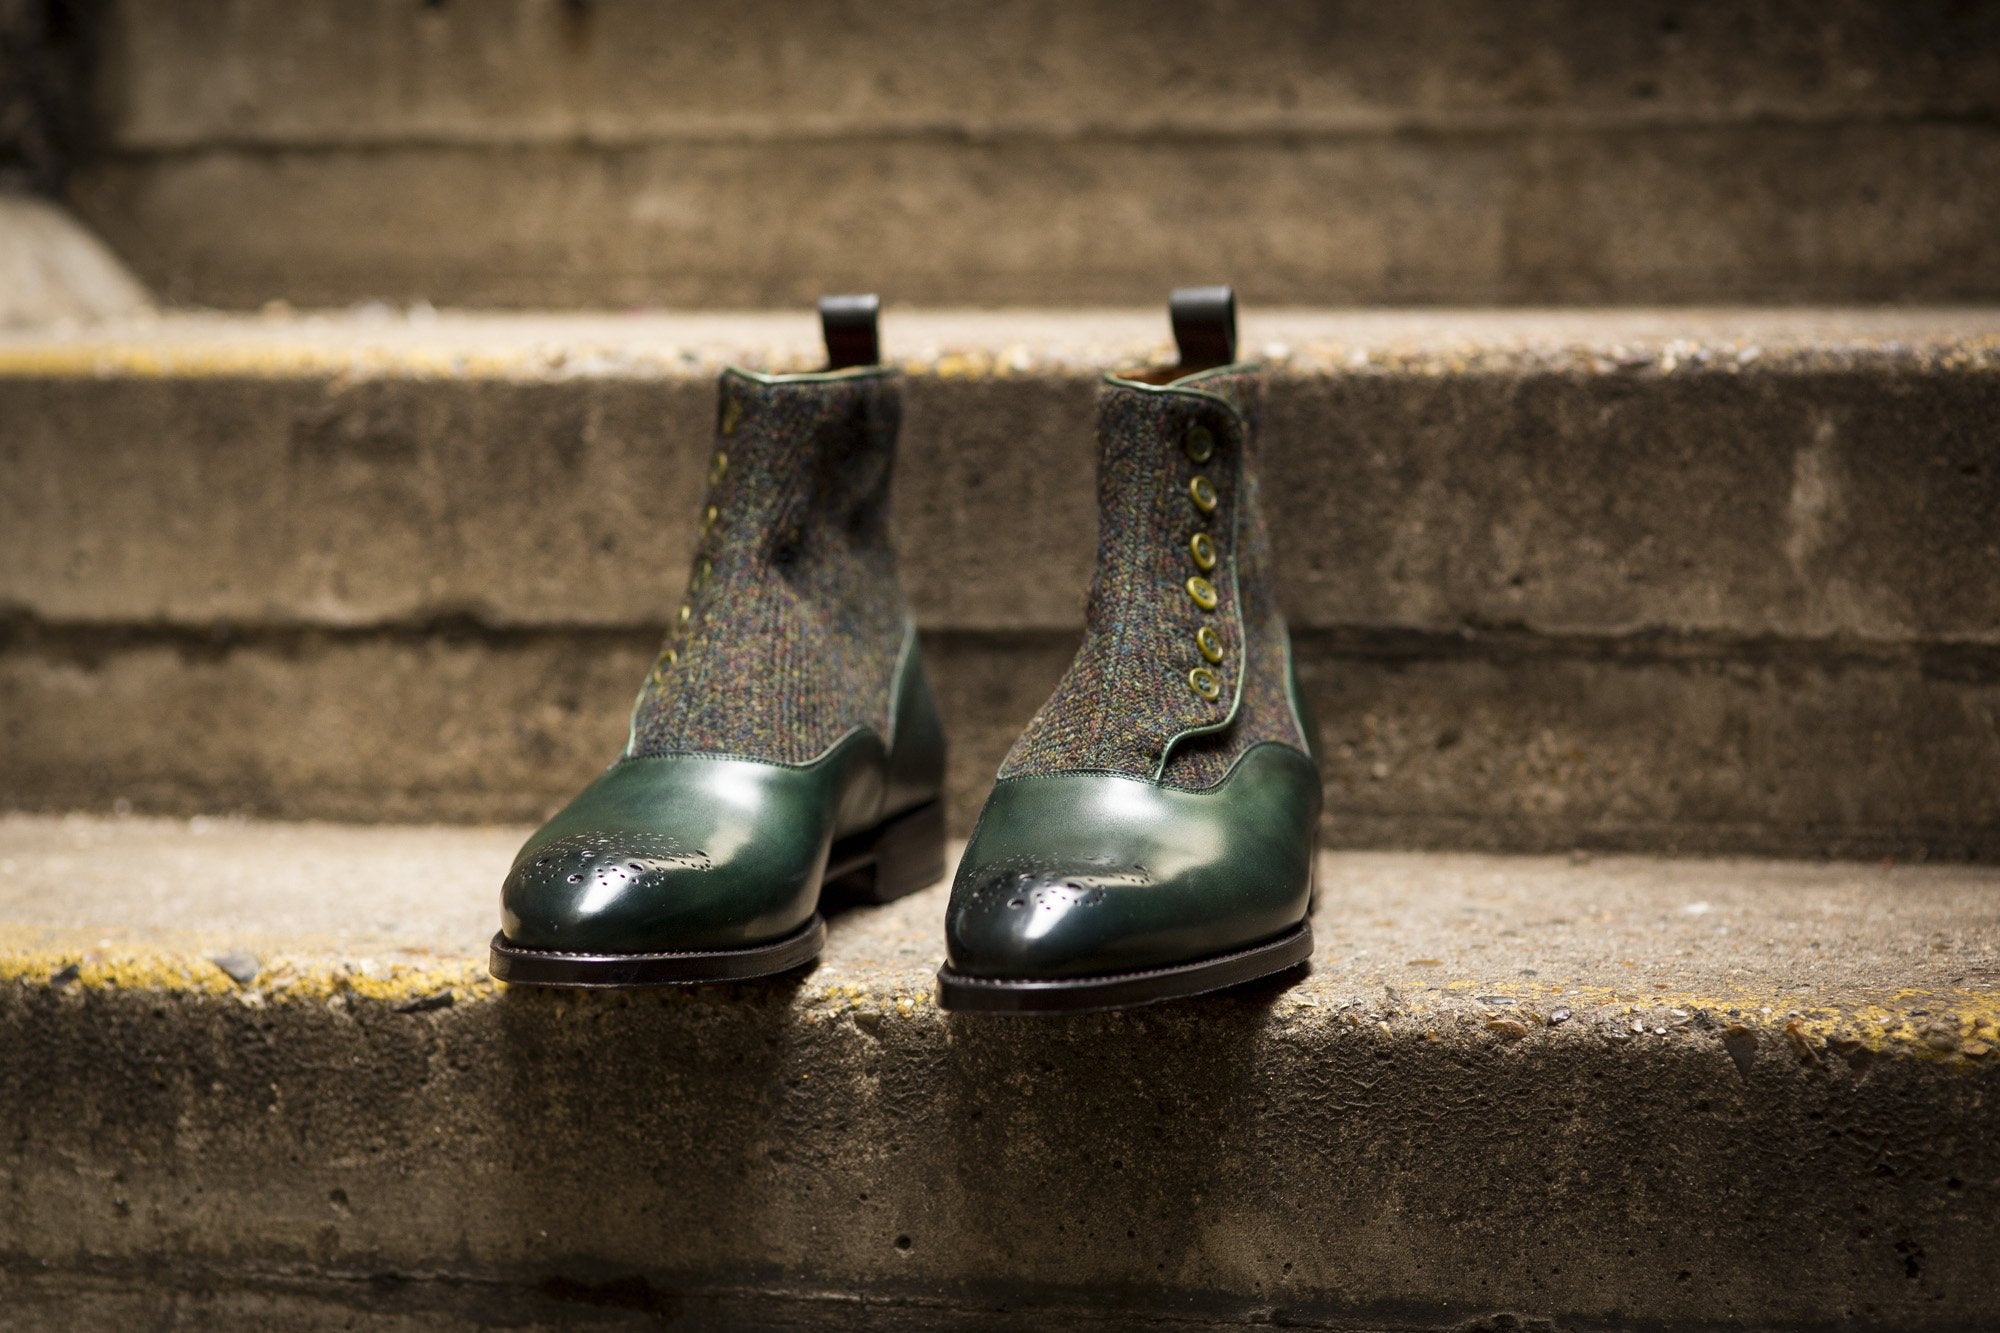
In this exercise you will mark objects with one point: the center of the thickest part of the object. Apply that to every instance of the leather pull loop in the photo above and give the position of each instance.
(1204, 320)
(849, 323)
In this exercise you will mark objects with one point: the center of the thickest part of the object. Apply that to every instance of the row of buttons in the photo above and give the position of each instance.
(1199, 443)
(711, 514)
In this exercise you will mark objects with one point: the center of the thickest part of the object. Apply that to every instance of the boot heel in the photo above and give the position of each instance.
(908, 855)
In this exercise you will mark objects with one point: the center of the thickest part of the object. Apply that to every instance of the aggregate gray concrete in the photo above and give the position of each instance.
(1603, 1093)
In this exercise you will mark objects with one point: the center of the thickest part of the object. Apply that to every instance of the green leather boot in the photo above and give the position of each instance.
(785, 740)
(1151, 833)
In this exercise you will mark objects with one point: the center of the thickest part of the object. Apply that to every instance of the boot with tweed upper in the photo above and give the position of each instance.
(786, 739)
(1151, 833)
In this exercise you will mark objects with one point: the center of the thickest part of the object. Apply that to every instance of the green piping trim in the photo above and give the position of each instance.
(1213, 788)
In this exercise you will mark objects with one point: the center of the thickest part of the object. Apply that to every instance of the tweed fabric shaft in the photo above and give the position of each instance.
(1127, 695)
(793, 621)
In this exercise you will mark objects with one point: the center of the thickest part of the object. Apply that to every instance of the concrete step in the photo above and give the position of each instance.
(1653, 580)
(52, 270)
(1596, 1093)
(550, 153)
(333, 72)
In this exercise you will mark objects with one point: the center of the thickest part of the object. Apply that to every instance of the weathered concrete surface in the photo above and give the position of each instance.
(1787, 213)
(1509, 742)
(52, 271)
(1626, 1092)
(1498, 741)
(550, 153)
(334, 72)
(1638, 580)
(1816, 474)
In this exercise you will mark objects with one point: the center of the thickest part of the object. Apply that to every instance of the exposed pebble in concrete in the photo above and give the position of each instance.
(1741, 1043)
(240, 967)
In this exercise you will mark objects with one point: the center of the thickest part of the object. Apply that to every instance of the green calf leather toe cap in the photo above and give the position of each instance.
(683, 852)
(626, 891)
(1085, 874)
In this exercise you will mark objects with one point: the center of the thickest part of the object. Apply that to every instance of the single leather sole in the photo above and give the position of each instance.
(548, 967)
(1123, 990)
(879, 865)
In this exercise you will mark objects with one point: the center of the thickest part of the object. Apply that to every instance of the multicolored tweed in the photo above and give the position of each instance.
(1127, 695)
(793, 618)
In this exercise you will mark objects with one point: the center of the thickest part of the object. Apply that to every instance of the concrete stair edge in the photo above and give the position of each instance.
(1689, 1056)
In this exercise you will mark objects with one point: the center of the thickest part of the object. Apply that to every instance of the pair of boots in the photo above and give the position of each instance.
(1150, 834)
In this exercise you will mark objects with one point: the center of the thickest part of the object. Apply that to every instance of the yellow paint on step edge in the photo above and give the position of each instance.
(279, 978)
(1883, 1023)
(1902, 1022)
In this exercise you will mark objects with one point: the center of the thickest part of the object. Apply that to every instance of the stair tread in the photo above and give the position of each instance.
(1680, 1059)
(1866, 951)
(423, 343)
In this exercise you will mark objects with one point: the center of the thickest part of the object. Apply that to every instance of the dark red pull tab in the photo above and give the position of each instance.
(849, 322)
(1204, 321)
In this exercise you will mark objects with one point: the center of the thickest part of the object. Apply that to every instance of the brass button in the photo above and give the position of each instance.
(1203, 592)
(708, 517)
(1200, 445)
(686, 613)
(1209, 642)
(702, 569)
(732, 412)
(1203, 495)
(1203, 682)
(1202, 547)
(718, 469)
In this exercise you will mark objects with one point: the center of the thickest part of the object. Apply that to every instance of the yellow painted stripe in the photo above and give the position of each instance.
(1882, 1022)
(280, 979)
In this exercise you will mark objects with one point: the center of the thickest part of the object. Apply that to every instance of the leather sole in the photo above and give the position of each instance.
(879, 865)
(1123, 990)
(548, 967)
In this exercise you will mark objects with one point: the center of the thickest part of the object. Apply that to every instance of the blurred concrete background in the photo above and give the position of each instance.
(538, 153)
